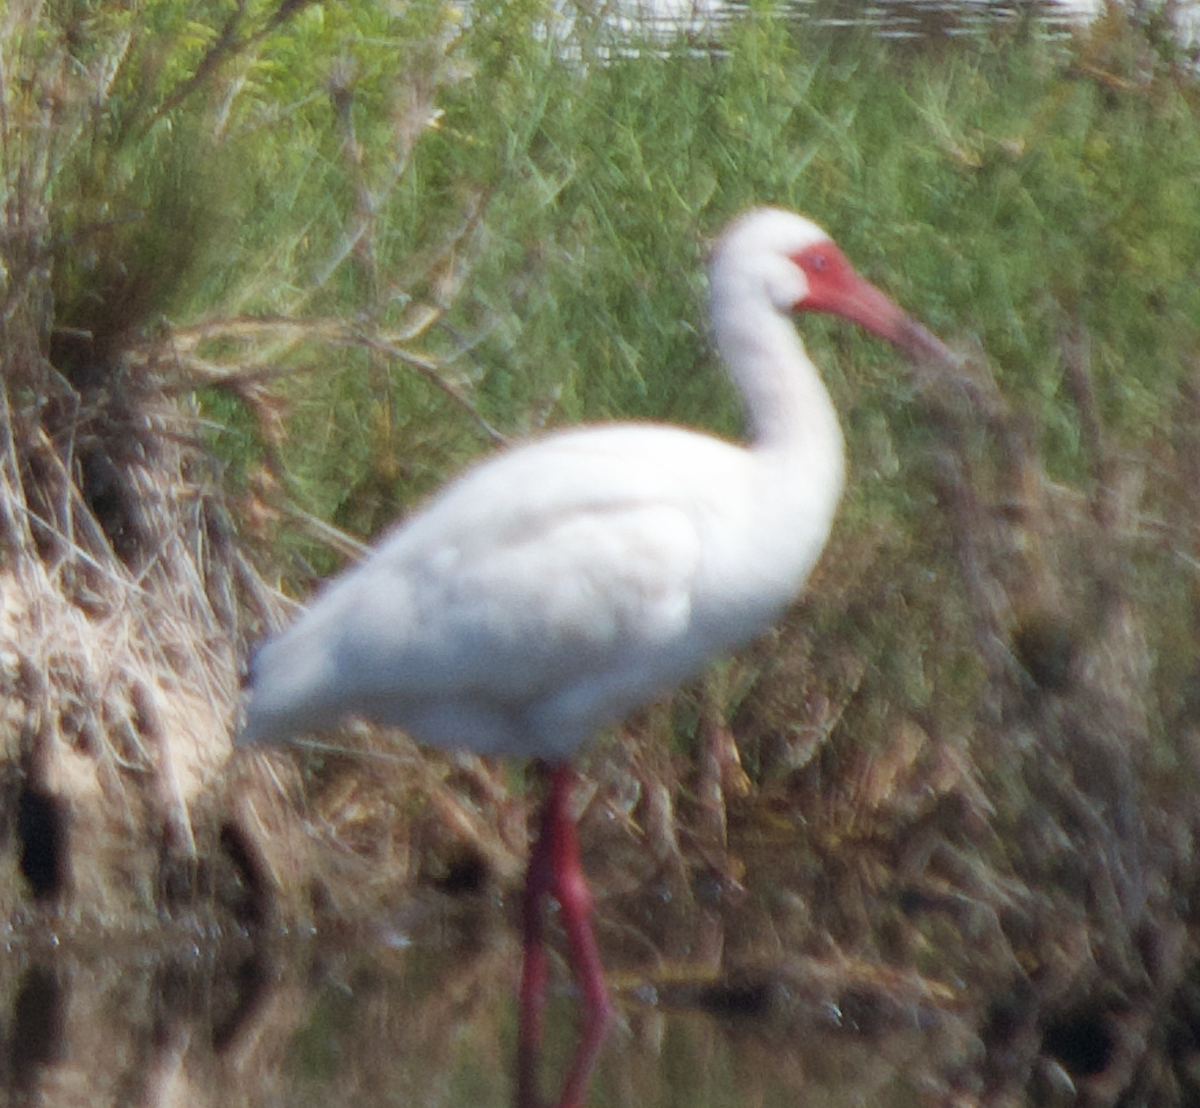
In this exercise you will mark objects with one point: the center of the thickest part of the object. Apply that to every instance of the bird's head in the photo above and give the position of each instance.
(802, 270)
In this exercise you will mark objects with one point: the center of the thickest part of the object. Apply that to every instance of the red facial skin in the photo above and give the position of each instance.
(835, 287)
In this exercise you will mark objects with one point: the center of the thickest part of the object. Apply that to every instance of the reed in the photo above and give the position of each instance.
(271, 274)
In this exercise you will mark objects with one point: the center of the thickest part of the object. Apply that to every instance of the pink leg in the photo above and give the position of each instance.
(575, 904)
(554, 867)
(538, 881)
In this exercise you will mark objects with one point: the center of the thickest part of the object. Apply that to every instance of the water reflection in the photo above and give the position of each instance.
(701, 22)
(896, 19)
(432, 1021)
(37, 1038)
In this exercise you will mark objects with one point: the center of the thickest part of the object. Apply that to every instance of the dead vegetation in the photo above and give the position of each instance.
(128, 597)
(989, 819)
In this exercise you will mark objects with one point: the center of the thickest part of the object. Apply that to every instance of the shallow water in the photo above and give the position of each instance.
(430, 1019)
(891, 18)
(422, 1010)
(922, 22)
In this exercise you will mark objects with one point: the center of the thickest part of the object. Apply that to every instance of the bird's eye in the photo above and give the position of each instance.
(819, 262)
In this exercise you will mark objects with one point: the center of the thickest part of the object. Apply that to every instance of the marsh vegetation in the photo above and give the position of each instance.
(268, 274)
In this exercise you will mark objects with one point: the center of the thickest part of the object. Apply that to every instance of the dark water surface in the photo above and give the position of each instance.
(428, 1019)
(422, 1010)
(892, 19)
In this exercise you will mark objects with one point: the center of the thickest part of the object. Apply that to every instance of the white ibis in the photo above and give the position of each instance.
(554, 588)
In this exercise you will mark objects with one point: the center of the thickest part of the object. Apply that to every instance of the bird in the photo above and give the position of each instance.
(558, 585)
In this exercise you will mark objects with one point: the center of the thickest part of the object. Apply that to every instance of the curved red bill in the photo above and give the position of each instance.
(835, 287)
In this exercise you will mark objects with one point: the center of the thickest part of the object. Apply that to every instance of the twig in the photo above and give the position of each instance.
(333, 537)
(429, 370)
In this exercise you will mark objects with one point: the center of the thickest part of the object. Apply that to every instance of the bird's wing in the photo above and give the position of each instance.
(566, 578)
(519, 582)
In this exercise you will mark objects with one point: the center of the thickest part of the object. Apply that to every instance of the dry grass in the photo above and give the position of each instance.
(120, 626)
(993, 821)
(128, 598)
(125, 592)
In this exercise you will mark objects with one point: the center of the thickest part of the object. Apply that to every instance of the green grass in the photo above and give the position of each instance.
(406, 223)
(1022, 194)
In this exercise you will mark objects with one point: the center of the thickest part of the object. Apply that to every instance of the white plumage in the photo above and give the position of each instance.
(559, 585)
(555, 587)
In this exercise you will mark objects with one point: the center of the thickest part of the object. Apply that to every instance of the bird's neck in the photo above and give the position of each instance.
(793, 422)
